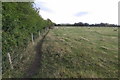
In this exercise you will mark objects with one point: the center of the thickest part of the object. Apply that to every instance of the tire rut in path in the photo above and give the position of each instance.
(36, 64)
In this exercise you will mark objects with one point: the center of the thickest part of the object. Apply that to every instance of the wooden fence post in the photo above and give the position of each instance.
(45, 29)
(10, 60)
(32, 38)
(39, 33)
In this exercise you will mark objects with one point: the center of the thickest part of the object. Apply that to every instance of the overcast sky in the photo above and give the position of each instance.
(87, 11)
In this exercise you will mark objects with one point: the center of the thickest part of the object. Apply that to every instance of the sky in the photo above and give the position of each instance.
(86, 11)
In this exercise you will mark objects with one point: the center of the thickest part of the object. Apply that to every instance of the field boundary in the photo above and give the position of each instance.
(36, 64)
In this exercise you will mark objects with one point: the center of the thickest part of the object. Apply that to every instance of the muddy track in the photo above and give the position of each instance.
(36, 64)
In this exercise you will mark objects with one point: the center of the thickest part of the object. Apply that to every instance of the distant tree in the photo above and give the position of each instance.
(87, 24)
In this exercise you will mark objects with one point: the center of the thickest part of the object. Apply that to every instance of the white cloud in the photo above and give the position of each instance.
(63, 11)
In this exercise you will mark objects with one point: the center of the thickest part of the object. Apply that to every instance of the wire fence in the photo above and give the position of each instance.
(13, 60)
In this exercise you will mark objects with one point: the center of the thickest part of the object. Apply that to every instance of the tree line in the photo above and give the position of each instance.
(79, 24)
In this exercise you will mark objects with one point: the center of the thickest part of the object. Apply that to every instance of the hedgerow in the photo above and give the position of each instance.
(19, 20)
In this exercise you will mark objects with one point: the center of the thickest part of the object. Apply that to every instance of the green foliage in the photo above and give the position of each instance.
(19, 21)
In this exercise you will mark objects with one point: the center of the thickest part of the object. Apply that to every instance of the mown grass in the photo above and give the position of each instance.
(72, 53)
(80, 53)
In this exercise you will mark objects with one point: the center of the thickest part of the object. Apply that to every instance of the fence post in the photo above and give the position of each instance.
(10, 60)
(32, 38)
(45, 29)
(39, 33)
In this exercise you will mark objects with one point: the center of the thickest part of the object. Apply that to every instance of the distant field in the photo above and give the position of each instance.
(80, 52)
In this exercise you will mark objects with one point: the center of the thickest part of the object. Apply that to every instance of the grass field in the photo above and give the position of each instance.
(72, 53)
(80, 52)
